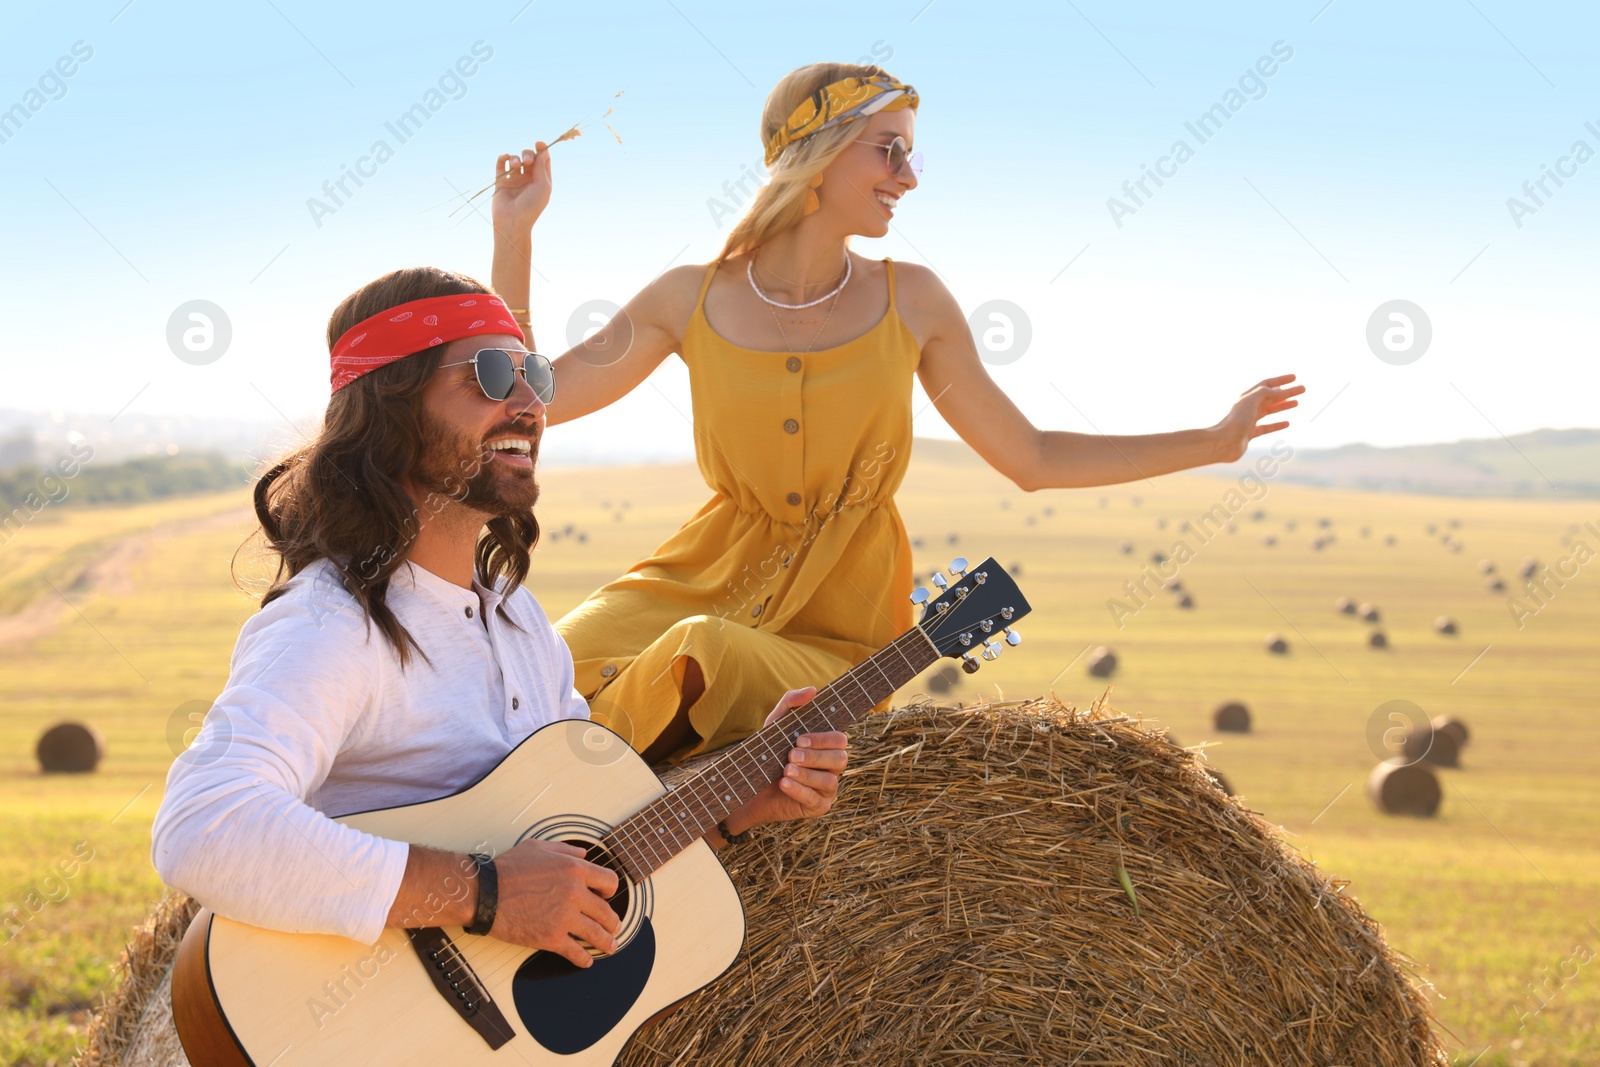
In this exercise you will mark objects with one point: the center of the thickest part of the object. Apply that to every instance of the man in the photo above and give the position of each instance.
(397, 657)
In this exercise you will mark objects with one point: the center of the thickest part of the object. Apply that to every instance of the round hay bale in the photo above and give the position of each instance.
(953, 539)
(1444, 624)
(1232, 717)
(70, 748)
(1276, 644)
(1433, 528)
(1366, 531)
(1486, 566)
(1289, 526)
(1438, 747)
(1495, 585)
(1528, 568)
(1449, 724)
(1186, 601)
(1401, 788)
(1324, 522)
(894, 932)
(1377, 639)
(1126, 547)
(1269, 540)
(1389, 540)
(1158, 556)
(1015, 570)
(1102, 662)
(1368, 612)
(1173, 585)
(1345, 606)
(1317, 543)
(134, 1027)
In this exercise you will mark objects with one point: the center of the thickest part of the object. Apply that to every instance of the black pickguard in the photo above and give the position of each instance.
(568, 1009)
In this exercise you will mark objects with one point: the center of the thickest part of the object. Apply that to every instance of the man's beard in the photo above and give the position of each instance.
(459, 468)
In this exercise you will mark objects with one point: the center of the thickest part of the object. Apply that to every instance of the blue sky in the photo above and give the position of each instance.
(1373, 164)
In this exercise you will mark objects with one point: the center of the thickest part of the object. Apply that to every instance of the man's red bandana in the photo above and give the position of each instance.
(409, 328)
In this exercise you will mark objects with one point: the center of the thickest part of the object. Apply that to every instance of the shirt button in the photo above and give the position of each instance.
(607, 671)
(755, 612)
(793, 363)
(790, 426)
(469, 613)
(793, 499)
(515, 703)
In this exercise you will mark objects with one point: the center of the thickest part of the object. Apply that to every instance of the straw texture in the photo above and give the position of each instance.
(1020, 883)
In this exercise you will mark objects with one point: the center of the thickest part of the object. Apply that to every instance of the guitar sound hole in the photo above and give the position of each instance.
(600, 856)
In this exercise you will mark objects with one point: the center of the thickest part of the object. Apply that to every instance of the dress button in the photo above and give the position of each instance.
(790, 426)
(515, 703)
(755, 612)
(608, 670)
(469, 613)
(793, 500)
(793, 363)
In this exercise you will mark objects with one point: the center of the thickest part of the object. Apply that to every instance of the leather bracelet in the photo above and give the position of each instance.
(488, 896)
(732, 839)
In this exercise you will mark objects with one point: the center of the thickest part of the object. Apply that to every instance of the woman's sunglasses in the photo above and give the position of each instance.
(497, 372)
(899, 154)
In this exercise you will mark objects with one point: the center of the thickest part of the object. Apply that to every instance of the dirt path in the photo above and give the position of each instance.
(110, 574)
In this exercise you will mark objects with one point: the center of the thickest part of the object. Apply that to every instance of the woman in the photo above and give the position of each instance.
(800, 355)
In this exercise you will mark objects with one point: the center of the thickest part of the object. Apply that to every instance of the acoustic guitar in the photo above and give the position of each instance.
(246, 995)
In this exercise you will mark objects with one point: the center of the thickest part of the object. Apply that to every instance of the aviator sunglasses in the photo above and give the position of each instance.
(497, 372)
(899, 154)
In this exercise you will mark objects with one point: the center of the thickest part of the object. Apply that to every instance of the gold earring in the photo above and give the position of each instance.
(811, 201)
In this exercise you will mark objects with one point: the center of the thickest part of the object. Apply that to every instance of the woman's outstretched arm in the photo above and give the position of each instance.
(609, 365)
(977, 409)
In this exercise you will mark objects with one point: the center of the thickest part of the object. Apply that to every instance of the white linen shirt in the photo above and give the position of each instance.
(318, 720)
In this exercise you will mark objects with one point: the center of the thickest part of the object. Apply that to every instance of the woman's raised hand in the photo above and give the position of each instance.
(1243, 423)
(522, 189)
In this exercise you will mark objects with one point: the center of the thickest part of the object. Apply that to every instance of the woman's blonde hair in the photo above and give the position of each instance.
(780, 204)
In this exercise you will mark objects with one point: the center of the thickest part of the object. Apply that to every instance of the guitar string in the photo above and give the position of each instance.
(696, 786)
(494, 962)
(627, 834)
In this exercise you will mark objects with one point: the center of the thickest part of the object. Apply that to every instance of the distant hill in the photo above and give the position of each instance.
(28, 486)
(1541, 463)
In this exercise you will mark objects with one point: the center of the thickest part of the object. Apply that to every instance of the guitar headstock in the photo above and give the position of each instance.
(972, 616)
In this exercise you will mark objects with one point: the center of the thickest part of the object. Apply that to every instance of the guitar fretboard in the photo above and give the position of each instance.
(681, 817)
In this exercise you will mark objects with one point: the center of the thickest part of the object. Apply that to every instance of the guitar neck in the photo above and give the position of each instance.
(675, 821)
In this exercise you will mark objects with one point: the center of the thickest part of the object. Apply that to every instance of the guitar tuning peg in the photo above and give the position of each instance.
(919, 595)
(1012, 637)
(938, 580)
(992, 650)
(969, 663)
(958, 566)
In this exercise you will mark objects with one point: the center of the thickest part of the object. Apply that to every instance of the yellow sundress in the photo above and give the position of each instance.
(798, 566)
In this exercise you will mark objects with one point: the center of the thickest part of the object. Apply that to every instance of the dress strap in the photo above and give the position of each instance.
(705, 283)
(889, 265)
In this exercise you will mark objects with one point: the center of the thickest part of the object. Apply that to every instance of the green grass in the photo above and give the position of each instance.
(1492, 895)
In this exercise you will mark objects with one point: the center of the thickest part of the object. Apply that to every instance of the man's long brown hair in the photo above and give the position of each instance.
(341, 496)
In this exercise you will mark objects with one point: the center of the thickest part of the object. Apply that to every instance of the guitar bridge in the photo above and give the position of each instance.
(459, 985)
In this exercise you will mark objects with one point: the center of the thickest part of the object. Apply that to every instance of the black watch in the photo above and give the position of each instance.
(488, 896)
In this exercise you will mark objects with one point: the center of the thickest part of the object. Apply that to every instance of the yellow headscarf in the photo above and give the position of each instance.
(840, 102)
